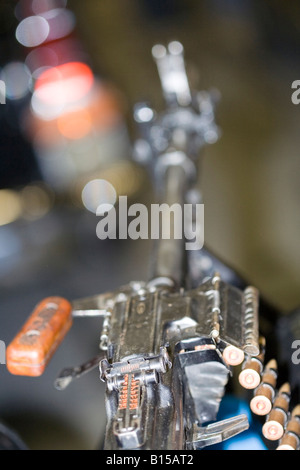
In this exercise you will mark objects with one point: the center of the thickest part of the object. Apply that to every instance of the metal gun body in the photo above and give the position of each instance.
(166, 349)
(164, 364)
(165, 367)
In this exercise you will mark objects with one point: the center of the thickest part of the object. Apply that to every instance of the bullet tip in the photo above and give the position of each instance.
(233, 356)
(296, 411)
(285, 388)
(249, 379)
(260, 405)
(272, 364)
(272, 430)
(285, 447)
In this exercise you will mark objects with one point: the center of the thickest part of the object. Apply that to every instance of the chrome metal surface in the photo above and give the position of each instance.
(163, 342)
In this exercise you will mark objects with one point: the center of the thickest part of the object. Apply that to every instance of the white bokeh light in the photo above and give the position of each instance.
(18, 80)
(98, 193)
(44, 110)
(41, 59)
(41, 6)
(32, 31)
(61, 23)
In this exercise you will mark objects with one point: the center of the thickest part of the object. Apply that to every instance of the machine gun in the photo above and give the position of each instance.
(166, 349)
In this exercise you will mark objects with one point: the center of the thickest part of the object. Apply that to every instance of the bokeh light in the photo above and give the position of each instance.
(25, 8)
(17, 79)
(61, 23)
(32, 31)
(40, 6)
(61, 86)
(37, 200)
(10, 206)
(98, 192)
(75, 125)
(68, 83)
(41, 59)
(125, 177)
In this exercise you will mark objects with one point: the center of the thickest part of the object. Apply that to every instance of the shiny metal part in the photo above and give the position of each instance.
(67, 375)
(127, 425)
(251, 345)
(218, 432)
(162, 341)
(171, 69)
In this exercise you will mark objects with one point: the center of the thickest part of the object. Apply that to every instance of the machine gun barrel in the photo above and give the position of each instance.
(169, 256)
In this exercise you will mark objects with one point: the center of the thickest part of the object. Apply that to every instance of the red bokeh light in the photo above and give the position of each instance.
(66, 83)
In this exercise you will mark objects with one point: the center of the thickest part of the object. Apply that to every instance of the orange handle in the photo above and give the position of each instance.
(31, 350)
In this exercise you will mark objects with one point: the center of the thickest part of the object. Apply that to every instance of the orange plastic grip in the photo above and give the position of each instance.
(31, 350)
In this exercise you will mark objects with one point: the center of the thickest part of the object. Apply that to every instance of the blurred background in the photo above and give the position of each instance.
(73, 72)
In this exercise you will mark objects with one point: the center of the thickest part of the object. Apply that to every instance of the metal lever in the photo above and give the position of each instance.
(69, 374)
(220, 431)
